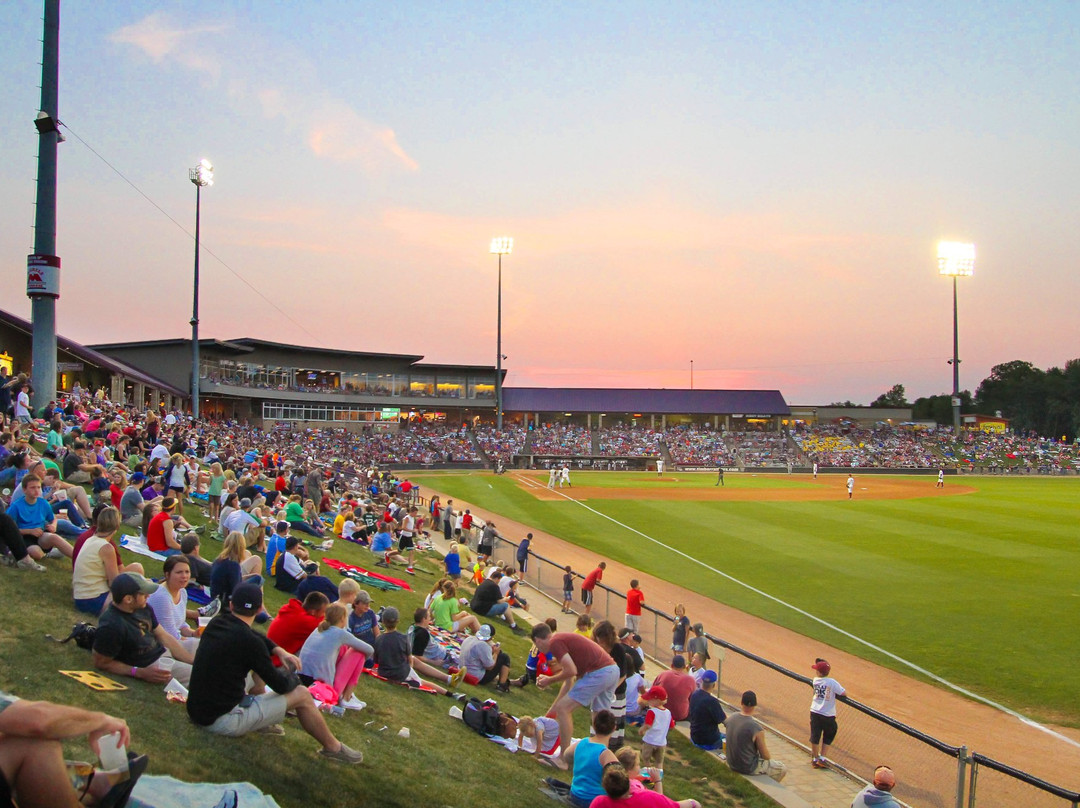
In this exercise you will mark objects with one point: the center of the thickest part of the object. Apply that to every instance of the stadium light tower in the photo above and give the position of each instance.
(201, 176)
(956, 259)
(500, 246)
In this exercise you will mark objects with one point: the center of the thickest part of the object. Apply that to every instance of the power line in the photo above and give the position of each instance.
(189, 234)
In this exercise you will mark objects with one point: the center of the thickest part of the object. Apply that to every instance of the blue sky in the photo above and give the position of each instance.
(757, 187)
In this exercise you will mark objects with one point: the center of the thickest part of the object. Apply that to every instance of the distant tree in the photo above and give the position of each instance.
(939, 408)
(895, 397)
(1019, 390)
(843, 404)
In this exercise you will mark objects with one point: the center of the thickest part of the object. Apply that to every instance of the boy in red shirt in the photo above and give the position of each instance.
(590, 584)
(634, 600)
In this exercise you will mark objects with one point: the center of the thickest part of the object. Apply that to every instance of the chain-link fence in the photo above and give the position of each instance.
(937, 775)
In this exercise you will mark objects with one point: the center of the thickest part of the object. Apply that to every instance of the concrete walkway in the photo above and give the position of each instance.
(803, 787)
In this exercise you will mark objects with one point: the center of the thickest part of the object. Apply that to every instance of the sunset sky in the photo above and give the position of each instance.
(757, 187)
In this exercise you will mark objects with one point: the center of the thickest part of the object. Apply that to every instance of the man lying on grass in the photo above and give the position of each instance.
(226, 701)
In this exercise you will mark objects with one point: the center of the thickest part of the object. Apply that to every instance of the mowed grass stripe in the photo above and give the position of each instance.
(954, 584)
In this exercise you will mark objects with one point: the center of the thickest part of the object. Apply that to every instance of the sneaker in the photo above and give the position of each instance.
(211, 608)
(521, 681)
(353, 703)
(410, 570)
(29, 564)
(517, 629)
(819, 763)
(381, 564)
(456, 677)
(344, 755)
(503, 687)
(271, 729)
(200, 530)
(8, 560)
(456, 696)
(55, 553)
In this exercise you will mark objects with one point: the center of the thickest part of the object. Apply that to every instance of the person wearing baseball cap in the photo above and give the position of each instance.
(218, 699)
(823, 712)
(706, 714)
(879, 793)
(129, 641)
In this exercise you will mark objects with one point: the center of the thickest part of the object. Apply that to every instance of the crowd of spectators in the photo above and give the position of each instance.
(561, 439)
(500, 446)
(759, 449)
(692, 446)
(622, 441)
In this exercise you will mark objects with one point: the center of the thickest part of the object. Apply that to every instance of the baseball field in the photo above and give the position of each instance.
(976, 582)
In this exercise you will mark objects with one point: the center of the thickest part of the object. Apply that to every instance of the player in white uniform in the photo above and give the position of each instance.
(660, 467)
(552, 473)
(815, 469)
(941, 478)
(850, 485)
(823, 713)
(564, 476)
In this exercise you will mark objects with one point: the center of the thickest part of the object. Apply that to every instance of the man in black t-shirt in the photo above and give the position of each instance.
(219, 699)
(488, 601)
(129, 641)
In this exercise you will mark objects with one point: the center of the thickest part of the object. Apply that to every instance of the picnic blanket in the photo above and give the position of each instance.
(134, 545)
(167, 792)
(424, 688)
(342, 567)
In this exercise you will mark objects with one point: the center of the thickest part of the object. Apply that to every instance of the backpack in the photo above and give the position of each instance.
(481, 716)
(83, 634)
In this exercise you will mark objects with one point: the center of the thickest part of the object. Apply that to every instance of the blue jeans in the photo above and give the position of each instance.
(497, 609)
(67, 530)
(73, 514)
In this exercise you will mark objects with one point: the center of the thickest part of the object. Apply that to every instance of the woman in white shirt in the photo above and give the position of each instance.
(170, 602)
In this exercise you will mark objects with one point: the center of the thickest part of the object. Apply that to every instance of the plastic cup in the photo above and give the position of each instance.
(455, 712)
(112, 754)
(403, 732)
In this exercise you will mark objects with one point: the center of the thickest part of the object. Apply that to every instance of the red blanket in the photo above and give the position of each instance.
(340, 565)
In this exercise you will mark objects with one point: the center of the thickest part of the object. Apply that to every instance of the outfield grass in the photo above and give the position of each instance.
(650, 481)
(981, 589)
(442, 764)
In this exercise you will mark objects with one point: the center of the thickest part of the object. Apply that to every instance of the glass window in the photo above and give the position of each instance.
(450, 386)
(422, 384)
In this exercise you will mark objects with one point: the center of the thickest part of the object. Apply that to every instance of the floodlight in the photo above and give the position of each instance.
(502, 245)
(203, 174)
(956, 258)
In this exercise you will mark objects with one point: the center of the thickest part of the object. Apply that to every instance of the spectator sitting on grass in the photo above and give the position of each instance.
(706, 714)
(233, 566)
(485, 662)
(487, 601)
(383, 544)
(200, 567)
(879, 794)
(619, 791)
(363, 623)
(448, 616)
(32, 765)
(129, 641)
(679, 685)
(590, 757)
(394, 660)
(218, 698)
(295, 621)
(293, 566)
(427, 653)
(97, 565)
(37, 522)
(334, 656)
(745, 743)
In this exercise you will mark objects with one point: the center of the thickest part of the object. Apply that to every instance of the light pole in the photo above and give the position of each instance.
(955, 259)
(500, 246)
(201, 176)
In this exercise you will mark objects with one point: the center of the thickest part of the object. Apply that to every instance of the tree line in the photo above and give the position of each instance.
(1046, 402)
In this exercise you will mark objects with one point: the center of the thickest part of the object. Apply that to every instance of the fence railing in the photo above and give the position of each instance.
(935, 774)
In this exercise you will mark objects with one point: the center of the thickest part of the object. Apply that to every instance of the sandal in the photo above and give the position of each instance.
(118, 795)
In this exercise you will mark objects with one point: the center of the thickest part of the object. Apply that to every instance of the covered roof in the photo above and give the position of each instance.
(94, 358)
(249, 344)
(673, 402)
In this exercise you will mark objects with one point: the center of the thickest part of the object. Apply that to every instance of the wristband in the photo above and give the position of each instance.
(134, 672)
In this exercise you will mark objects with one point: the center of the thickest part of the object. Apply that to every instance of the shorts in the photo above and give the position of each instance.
(263, 711)
(485, 549)
(633, 622)
(523, 564)
(586, 597)
(596, 689)
(568, 594)
(652, 755)
(405, 543)
(822, 725)
(92, 606)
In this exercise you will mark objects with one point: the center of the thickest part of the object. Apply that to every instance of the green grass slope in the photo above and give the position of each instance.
(442, 764)
(953, 584)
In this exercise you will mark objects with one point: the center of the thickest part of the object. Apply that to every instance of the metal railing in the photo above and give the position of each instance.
(935, 774)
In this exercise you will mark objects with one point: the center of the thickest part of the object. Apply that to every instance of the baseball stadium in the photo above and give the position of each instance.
(680, 544)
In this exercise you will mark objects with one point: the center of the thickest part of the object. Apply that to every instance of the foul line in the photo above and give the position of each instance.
(964, 691)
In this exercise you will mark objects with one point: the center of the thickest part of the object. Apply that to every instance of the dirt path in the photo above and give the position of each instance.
(935, 711)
